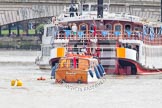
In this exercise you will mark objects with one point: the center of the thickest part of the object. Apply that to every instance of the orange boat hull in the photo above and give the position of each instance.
(71, 76)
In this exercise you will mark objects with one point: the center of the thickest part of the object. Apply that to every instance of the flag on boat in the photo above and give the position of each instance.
(144, 30)
(152, 35)
(160, 31)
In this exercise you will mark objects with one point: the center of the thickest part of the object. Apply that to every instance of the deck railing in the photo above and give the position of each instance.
(110, 35)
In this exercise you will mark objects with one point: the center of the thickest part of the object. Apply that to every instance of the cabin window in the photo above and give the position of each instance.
(46, 51)
(105, 7)
(108, 27)
(137, 28)
(85, 7)
(117, 27)
(127, 27)
(93, 7)
(50, 31)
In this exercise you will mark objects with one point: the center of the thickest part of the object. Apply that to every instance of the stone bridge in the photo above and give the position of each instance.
(19, 10)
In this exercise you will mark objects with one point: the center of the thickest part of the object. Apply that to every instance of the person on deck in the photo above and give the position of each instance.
(74, 29)
(71, 10)
(94, 28)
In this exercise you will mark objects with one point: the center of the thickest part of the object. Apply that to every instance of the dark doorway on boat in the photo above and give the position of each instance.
(54, 61)
(126, 68)
(128, 27)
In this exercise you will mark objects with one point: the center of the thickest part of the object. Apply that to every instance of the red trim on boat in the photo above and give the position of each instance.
(142, 70)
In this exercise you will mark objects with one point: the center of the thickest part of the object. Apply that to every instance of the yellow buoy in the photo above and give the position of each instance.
(16, 82)
(19, 83)
(13, 82)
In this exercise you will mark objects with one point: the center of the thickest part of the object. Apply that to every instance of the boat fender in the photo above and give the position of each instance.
(91, 73)
(103, 70)
(97, 73)
(19, 83)
(100, 70)
(13, 82)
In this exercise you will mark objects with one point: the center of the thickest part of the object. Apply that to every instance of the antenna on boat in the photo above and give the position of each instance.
(100, 9)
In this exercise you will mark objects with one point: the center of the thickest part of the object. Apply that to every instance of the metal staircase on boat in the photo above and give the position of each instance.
(107, 54)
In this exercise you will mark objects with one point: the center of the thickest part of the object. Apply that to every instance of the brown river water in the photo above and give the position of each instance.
(110, 92)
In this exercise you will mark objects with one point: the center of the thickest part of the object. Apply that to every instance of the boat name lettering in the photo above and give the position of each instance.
(72, 73)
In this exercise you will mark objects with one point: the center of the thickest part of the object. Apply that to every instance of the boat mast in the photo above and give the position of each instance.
(100, 9)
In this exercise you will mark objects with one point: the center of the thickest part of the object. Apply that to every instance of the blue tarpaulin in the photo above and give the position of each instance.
(128, 33)
(67, 33)
(152, 33)
(104, 33)
(117, 33)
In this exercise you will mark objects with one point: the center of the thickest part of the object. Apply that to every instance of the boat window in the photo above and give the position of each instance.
(117, 27)
(93, 7)
(105, 7)
(50, 31)
(85, 7)
(137, 28)
(83, 64)
(108, 27)
(46, 51)
(127, 27)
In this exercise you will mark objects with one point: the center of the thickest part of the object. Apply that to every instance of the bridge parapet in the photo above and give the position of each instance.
(18, 10)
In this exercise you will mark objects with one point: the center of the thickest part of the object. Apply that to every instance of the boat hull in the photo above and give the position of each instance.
(71, 76)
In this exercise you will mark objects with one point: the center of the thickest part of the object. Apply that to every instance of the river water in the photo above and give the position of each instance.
(110, 92)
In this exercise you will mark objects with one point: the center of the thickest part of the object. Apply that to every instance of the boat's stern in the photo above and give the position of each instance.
(71, 76)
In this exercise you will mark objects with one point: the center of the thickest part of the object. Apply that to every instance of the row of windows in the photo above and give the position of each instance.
(117, 27)
(94, 7)
(152, 52)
